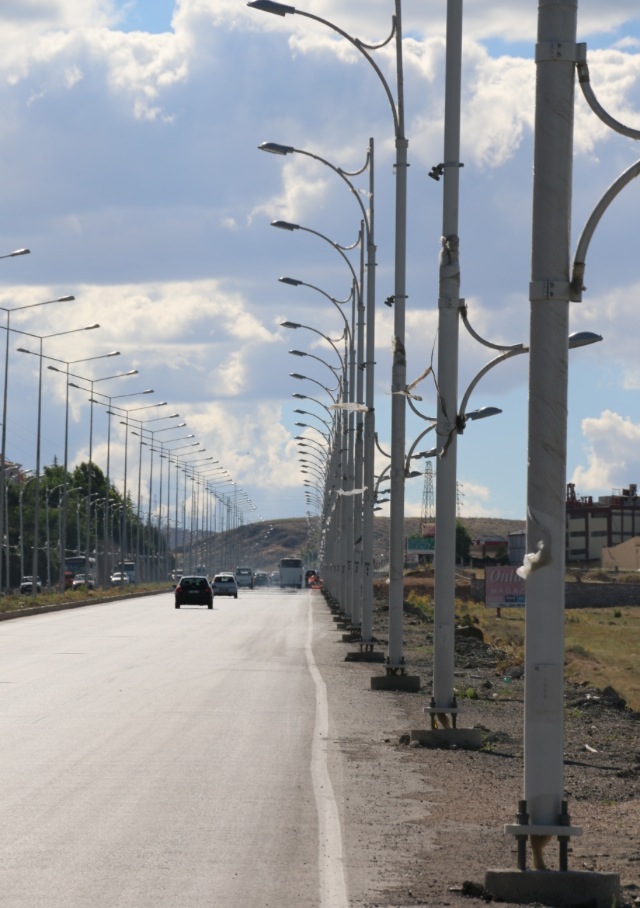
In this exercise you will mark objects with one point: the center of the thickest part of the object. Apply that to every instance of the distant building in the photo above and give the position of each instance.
(605, 523)
(517, 546)
(489, 546)
(623, 557)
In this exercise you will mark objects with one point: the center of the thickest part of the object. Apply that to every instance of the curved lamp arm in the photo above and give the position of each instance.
(280, 9)
(384, 453)
(410, 454)
(592, 101)
(579, 263)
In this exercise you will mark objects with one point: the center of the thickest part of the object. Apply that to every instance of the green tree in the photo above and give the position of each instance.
(463, 543)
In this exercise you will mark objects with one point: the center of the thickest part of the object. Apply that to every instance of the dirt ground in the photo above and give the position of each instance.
(424, 825)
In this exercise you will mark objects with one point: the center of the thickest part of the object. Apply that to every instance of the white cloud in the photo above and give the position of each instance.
(613, 453)
(131, 169)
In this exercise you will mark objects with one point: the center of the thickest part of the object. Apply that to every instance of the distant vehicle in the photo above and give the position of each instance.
(274, 578)
(244, 577)
(129, 568)
(77, 564)
(291, 573)
(27, 585)
(260, 578)
(194, 590)
(80, 580)
(224, 584)
(309, 577)
(119, 579)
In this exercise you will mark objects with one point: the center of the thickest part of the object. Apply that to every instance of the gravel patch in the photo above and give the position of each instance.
(422, 825)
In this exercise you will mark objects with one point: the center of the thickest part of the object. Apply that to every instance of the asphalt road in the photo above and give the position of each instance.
(156, 757)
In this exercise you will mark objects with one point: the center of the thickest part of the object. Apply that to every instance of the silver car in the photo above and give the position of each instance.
(224, 584)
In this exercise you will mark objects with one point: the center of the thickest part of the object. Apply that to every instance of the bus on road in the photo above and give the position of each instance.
(291, 573)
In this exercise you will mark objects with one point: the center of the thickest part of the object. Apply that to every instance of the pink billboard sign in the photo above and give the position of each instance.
(503, 588)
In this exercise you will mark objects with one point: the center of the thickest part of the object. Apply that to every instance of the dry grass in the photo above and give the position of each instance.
(602, 646)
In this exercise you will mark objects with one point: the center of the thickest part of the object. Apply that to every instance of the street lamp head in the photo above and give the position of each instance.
(269, 6)
(583, 339)
(285, 225)
(483, 412)
(299, 396)
(296, 375)
(275, 148)
(11, 255)
(64, 299)
(290, 325)
(90, 327)
(290, 280)
(298, 353)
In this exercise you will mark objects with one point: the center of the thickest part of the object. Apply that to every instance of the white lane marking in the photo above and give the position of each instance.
(333, 887)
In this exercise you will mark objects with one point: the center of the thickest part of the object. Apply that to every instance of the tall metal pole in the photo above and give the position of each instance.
(36, 516)
(123, 525)
(87, 552)
(65, 489)
(368, 500)
(548, 364)
(449, 305)
(4, 449)
(395, 656)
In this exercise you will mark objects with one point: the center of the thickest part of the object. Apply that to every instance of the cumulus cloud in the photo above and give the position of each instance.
(131, 168)
(613, 458)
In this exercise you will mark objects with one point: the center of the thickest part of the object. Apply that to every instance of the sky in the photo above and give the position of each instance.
(129, 167)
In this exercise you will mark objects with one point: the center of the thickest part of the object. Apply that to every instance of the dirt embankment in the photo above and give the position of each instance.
(429, 823)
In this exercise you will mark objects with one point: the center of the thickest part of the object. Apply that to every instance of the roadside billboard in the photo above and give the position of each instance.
(503, 588)
(420, 545)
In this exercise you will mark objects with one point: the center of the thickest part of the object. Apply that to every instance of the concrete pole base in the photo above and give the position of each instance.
(364, 656)
(559, 889)
(408, 683)
(462, 738)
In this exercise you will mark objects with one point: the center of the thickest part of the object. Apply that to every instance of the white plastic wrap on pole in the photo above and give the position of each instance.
(548, 361)
(449, 304)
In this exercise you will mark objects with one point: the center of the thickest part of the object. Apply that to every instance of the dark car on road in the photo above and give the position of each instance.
(194, 591)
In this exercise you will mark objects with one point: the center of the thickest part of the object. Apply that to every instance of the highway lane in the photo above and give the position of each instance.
(159, 757)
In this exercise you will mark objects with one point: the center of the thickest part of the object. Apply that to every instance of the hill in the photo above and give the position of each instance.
(262, 545)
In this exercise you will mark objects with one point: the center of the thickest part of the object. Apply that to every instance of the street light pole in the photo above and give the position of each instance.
(395, 658)
(3, 452)
(36, 519)
(92, 382)
(63, 526)
(123, 530)
(548, 389)
(449, 306)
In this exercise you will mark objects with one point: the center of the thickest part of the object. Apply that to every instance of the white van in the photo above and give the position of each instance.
(291, 573)
(244, 577)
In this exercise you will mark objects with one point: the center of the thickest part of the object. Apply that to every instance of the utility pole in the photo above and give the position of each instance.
(542, 813)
